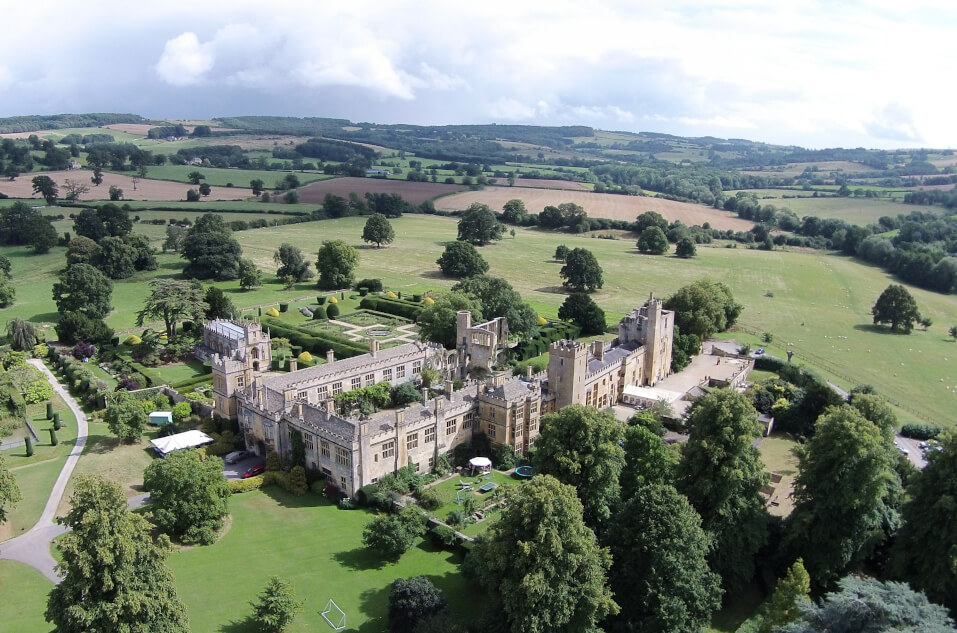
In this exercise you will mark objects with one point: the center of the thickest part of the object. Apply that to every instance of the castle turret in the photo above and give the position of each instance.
(567, 365)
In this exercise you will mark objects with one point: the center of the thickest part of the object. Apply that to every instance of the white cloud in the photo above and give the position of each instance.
(185, 60)
(6, 76)
(510, 109)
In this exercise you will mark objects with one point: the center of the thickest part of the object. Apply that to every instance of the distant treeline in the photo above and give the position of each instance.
(945, 198)
(922, 253)
(33, 123)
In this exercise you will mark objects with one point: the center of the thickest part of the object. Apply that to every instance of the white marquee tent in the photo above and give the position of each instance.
(190, 439)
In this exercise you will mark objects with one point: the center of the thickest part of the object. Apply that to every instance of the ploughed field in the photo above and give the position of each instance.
(146, 188)
(412, 192)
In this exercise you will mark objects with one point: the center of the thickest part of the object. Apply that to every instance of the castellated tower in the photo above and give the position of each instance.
(238, 352)
(567, 365)
(653, 328)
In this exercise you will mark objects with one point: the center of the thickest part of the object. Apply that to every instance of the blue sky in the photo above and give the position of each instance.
(817, 74)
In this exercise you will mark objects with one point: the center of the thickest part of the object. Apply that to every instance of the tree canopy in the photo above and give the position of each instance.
(249, 275)
(291, 263)
(219, 306)
(189, 496)
(336, 264)
(721, 474)
(126, 418)
(83, 289)
(582, 310)
(543, 564)
(276, 606)
(411, 601)
(46, 187)
(438, 322)
(173, 300)
(865, 605)
(581, 271)
(116, 579)
(845, 495)
(210, 250)
(653, 241)
(897, 307)
(703, 308)
(660, 574)
(925, 550)
(391, 535)
(499, 299)
(581, 446)
(461, 259)
(378, 230)
(686, 248)
(648, 461)
(479, 226)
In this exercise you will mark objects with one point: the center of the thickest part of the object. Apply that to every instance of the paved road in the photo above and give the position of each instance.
(914, 453)
(33, 547)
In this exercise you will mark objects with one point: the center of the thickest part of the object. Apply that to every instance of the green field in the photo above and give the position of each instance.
(850, 209)
(220, 177)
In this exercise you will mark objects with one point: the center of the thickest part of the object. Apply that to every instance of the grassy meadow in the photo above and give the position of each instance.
(221, 177)
(850, 209)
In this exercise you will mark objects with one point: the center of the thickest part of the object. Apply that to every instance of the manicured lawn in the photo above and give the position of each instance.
(449, 489)
(106, 456)
(318, 548)
(36, 475)
(24, 592)
(176, 372)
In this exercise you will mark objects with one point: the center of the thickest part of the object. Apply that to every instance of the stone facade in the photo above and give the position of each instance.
(355, 450)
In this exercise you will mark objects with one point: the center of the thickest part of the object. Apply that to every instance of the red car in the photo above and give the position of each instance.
(253, 471)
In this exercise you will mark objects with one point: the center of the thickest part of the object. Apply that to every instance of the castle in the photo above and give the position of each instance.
(353, 449)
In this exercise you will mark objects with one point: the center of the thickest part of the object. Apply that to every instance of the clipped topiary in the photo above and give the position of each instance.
(542, 321)
(132, 339)
(391, 295)
(319, 313)
(305, 357)
(429, 301)
(273, 312)
(333, 300)
(332, 311)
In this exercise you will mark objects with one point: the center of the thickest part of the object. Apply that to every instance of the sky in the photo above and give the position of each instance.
(815, 74)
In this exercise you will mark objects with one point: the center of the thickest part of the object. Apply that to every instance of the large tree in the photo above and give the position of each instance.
(114, 258)
(218, 305)
(543, 564)
(648, 219)
(703, 308)
(581, 271)
(411, 601)
(249, 275)
(80, 250)
(660, 572)
(479, 226)
(9, 490)
(116, 578)
(865, 605)
(336, 263)
(40, 234)
(461, 259)
(897, 307)
(514, 211)
(173, 300)
(189, 496)
(791, 592)
(378, 229)
(499, 299)
(391, 535)
(845, 495)
(925, 551)
(46, 187)
(126, 418)
(581, 446)
(722, 475)
(438, 322)
(291, 263)
(653, 241)
(582, 310)
(210, 249)
(648, 461)
(84, 289)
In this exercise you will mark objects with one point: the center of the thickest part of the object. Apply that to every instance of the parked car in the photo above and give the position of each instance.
(253, 471)
(236, 456)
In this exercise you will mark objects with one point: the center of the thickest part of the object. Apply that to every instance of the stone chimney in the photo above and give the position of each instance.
(529, 372)
(293, 364)
(449, 389)
(598, 349)
(299, 409)
(399, 418)
(374, 346)
(330, 356)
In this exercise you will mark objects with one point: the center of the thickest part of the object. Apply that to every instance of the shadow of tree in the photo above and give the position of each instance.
(246, 625)
(374, 604)
(435, 274)
(877, 329)
(360, 559)
(47, 317)
(557, 290)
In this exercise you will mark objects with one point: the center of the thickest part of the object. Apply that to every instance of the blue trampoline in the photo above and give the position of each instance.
(525, 472)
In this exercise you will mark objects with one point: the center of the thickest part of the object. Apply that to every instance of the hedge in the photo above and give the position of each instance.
(921, 431)
(192, 382)
(238, 486)
(316, 342)
(397, 307)
(546, 336)
(374, 285)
